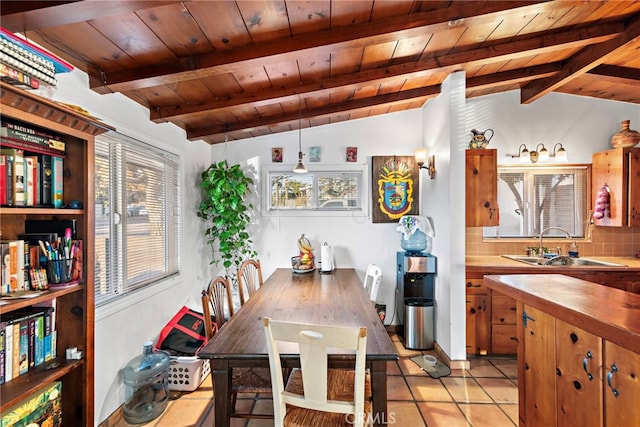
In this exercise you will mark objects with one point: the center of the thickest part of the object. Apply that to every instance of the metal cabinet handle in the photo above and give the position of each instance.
(613, 370)
(584, 365)
(471, 285)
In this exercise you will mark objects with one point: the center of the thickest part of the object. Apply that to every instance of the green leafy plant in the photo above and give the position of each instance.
(225, 210)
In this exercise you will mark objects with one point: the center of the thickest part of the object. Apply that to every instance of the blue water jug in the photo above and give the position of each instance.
(417, 242)
(146, 381)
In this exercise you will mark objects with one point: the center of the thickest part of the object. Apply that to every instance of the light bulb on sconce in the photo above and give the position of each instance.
(559, 153)
(523, 154)
(421, 158)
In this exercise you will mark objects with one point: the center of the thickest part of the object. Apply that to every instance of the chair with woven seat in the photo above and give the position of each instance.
(333, 397)
(372, 280)
(249, 279)
(244, 380)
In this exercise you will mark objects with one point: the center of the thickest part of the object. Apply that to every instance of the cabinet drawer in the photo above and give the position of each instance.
(503, 310)
(475, 286)
(504, 339)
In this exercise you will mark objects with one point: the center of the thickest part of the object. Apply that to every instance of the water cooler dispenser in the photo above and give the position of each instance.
(415, 290)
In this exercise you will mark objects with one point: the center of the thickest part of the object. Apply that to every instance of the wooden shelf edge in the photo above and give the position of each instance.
(16, 304)
(38, 378)
(31, 210)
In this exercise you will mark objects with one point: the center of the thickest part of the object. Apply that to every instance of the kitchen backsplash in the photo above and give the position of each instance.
(605, 242)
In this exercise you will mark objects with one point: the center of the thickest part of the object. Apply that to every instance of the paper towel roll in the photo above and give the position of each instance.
(326, 257)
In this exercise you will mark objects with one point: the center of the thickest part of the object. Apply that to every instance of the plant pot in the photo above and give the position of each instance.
(626, 137)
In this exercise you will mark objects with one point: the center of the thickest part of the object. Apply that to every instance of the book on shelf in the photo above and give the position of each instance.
(17, 174)
(12, 265)
(8, 188)
(44, 161)
(57, 182)
(3, 179)
(3, 349)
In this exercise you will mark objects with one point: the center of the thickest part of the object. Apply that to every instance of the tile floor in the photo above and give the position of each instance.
(485, 395)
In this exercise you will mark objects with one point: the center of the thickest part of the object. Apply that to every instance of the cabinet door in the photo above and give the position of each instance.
(481, 193)
(579, 376)
(634, 189)
(478, 324)
(622, 386)
(539, 368)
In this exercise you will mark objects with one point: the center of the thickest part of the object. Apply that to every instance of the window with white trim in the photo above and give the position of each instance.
(332, 192)
(534, 198)
(137, 216)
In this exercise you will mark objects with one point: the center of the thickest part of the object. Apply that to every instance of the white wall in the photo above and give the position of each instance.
(584, 125)
(123, 327)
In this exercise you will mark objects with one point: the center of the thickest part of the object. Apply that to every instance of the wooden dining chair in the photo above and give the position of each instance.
(331, 397)
(372, 280)
(249, 279)
(244, 380)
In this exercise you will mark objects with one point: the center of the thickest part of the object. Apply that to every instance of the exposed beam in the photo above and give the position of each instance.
(525, 46)
(382, 31)
(20, 16)
(513, 76)
(388, 99)
(615, 74)
(585, 60)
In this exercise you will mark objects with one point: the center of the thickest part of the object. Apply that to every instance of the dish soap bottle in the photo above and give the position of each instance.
(573, 250)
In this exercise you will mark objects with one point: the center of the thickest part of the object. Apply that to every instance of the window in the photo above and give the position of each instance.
(136, 216)
(534, 198)
(326, 192)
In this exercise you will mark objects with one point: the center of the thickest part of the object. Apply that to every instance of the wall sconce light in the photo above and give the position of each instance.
(559, 153)
(540, 154)
(523, 154)
(421, 158)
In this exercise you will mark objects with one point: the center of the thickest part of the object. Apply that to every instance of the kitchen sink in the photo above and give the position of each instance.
(562, 261)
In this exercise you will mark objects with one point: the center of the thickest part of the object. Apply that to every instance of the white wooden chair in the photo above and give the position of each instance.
(249, 279)
(332, 397)
(372, 280)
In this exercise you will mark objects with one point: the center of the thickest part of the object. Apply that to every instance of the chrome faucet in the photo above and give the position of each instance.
(547, 229)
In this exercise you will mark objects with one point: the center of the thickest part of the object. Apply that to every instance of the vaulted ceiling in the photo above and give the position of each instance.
(239, 69)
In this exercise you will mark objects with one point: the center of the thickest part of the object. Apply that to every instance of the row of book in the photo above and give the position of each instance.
(24, 266)
(27, 340)
(31, 166)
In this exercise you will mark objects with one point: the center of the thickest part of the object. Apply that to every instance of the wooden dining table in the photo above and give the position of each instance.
(337, 299)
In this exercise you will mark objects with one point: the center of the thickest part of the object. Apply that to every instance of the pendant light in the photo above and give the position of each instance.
(300, 166)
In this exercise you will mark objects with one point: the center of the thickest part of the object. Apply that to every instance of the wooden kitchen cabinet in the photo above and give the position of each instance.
(619, 169)
(74, 305)
(478, 318)
(572, 377)
(503, 324)
(481, 194)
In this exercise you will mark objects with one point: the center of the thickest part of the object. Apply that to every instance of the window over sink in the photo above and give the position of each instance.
(536, 197)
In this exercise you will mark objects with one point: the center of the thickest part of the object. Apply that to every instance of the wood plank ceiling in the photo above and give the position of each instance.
(239, 69)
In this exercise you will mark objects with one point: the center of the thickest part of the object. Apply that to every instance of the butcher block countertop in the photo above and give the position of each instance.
(612, 314)
(502, 263)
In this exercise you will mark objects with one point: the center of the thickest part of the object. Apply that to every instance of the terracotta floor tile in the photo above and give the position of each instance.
(393, 368)
(184, 412)
(465, 390)
(440, 414)
(425, 388)
(460, 373)
(404, 352)
(511, 410)
(397, 389)
(501, 390)
(484, 368)
(482, 415)
(509, 367)
(404, 414)
(409, 367)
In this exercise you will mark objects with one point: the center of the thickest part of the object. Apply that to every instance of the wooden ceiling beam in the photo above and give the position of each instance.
(615, 74)
(378, 32)
(525, 46)
(21, 16)
(387, 99)
(585, 60)
(480, 82)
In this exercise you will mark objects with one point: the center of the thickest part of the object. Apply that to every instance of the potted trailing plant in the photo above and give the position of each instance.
(225, 210)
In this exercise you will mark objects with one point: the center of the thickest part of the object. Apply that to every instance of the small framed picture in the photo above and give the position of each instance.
(314, 154)
(276, 154)
(352, 154)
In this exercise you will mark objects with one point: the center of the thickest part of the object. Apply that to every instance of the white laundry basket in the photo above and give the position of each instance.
(186, 373)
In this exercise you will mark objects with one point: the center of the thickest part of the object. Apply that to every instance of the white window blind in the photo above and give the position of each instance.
(534, 198)
(137, 215)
